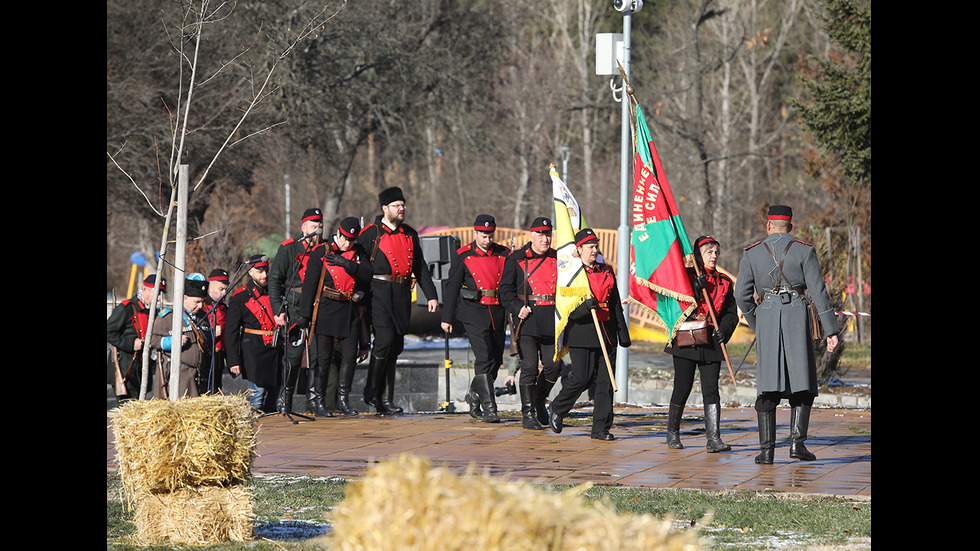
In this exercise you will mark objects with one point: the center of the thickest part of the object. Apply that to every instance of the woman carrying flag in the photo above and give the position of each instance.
(706, 356)
(599, 317)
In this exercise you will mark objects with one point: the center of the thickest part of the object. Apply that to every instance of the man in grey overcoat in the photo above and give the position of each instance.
(774, 278)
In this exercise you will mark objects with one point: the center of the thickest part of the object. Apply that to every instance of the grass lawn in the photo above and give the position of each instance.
(290, 511)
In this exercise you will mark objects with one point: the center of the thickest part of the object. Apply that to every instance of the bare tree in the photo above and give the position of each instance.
(186, 33)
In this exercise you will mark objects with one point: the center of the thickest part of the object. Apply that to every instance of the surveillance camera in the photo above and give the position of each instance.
(627, 6)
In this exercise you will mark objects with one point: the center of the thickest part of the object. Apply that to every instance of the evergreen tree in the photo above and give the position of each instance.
(837, 113)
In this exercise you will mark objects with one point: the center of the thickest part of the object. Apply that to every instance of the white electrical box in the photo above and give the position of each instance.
(609, 48)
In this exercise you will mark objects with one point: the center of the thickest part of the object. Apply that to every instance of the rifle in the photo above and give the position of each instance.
(316, 299)
(119, 383)
(515, 326)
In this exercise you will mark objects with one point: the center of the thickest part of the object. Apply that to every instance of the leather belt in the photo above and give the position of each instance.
(404, 280)
(335, 294)
(488, 292)
(543, 298)
(258, 332)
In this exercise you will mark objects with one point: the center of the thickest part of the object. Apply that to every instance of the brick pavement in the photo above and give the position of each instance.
(346, 447)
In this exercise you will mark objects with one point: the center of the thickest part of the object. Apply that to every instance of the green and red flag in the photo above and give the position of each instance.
(659, 243)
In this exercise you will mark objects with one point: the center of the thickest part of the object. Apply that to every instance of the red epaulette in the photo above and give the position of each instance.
(753, 245)
(803, 243)
(238, 290)
(286, 242)
(465, 248)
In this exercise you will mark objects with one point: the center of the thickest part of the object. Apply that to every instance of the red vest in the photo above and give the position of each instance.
(542, 275)
(397, 246)
(140, 318)
(261, 308)
(342, 281)
(219, 320)
(486, 268)
(718, 287)
(303, 256)
(601, 282)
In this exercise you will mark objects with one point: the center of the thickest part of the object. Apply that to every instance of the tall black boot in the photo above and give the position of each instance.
(314, 398)
(541, 392)
(379, 383)
(473, 400)
(369, 381)
(799, 422)
(712, 429)
(527, 408)
(767, 437)
(388, 397)
(345, 380)
(674, 413)
(484, 388)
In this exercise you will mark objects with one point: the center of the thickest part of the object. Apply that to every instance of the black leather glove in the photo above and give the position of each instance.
(699, 284)
(303, 322)
(718, 335)
(337, 260)
(591, 303)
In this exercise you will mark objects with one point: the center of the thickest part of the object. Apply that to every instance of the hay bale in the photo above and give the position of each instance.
(194, 516)
(407, 504)
(163, 445)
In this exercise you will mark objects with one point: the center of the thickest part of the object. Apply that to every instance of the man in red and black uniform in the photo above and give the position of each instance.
(126, 332)
(527, 291)
(337, 277)
(217, 311)
(585, 349)
(472, 299)
(249, 331)
(396, 256)
(285, 292)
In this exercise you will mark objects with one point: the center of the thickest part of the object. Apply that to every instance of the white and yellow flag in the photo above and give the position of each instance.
(573, 284)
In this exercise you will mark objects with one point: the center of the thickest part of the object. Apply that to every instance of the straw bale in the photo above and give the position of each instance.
(406, 503)
(164, 445)
(194, 516)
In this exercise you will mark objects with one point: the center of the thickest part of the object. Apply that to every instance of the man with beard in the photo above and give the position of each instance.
(249, 334)
(396, 256)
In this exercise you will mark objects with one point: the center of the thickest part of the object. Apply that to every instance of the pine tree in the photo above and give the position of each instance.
(837, 113)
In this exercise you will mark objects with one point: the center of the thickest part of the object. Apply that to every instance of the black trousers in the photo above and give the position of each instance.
(537, 349)
(767, 401)
(331, 352)
(684, 381)
(488, 349)
(588, 368)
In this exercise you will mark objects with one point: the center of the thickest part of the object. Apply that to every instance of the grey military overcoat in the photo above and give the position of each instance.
(784, 347)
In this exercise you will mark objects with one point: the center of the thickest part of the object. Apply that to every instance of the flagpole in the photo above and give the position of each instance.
(605, 353)
(623, 242)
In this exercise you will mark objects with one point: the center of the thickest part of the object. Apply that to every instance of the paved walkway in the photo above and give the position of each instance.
(346, 447)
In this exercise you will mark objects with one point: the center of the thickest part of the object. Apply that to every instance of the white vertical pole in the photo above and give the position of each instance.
(623, 240)
(180, 254)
